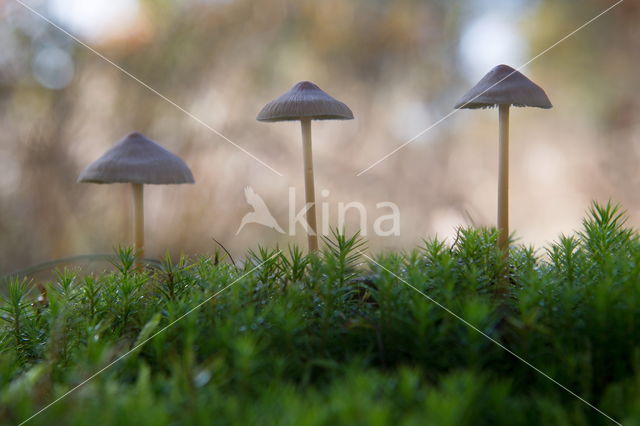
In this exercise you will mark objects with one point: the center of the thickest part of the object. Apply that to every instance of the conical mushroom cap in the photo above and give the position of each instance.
(136, 159)
(504, 86)
(305, 100)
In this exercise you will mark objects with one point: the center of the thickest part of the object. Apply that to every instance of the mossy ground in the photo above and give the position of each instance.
(337, 338)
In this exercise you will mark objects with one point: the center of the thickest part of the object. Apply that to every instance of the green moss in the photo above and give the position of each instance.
(336, 338)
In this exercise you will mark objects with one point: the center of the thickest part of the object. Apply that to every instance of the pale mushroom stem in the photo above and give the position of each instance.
(308, 184)
(138, 222)
(503, 181)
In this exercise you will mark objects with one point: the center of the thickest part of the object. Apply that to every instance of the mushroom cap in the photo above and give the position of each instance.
(305, 100)
(504, 85)
(137, 159)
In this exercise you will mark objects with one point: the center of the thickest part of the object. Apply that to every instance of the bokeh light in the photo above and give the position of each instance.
(399, 65)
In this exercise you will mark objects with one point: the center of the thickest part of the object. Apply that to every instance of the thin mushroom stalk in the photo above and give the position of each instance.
(305, 102)
(504, 86)
(309, 186)
(503, 180)
(139, 161)
(137, 192)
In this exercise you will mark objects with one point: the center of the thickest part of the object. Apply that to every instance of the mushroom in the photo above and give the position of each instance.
(305, 102)
(137, 160)
(504, 86)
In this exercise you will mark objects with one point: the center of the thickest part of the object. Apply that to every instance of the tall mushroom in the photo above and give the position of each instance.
(504, 86)
(305, 102)
(137, 160)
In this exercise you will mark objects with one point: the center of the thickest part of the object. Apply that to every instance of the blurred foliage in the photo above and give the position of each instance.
(340, 341)
(222, 60)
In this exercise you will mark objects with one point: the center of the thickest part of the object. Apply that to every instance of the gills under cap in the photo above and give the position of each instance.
(137, 159)
(504, 85)
(305, 100)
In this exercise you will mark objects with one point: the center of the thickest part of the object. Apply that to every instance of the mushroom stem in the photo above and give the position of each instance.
(503, 180)
(138, 222)
(308, 184)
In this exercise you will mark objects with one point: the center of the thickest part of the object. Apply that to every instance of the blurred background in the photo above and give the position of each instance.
(400, 65)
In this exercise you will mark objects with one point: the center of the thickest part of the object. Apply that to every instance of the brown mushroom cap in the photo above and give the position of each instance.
(504, 85)
(137, 159)
(305, 100)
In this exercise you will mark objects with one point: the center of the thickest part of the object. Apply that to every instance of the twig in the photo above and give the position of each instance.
(226, 251)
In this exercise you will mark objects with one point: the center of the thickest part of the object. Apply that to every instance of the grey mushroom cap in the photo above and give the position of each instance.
(504, 85)
(137, 159)
(305, 100)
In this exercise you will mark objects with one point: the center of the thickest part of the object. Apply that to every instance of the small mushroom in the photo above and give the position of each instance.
(137, 160)
(504, 86)
(305, 102)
